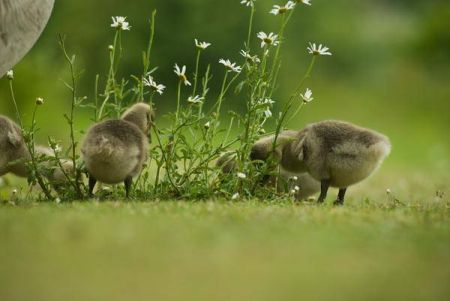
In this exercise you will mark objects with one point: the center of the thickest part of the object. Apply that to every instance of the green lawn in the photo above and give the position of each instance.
(254, 250)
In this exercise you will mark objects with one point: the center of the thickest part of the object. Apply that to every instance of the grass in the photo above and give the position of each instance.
(376, 249)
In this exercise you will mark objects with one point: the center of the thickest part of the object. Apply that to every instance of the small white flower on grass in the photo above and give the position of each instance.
(388, 191)
(120, 23)
(321, 50)
(268, 113)
(297, 188)
(268, 39)
(268, 101)
(235, 196)
(182, 74)
(197, 99)
(278, 10)
(202, 45)
(231, 66)
(10, 75)
(294, 178)
(248, 2)
(57, 149)
(149, 82)
(39, 101)
(110, 47)
(241, 175)
(207, 125)
(307, 2)
(254, 59)
(57, 200)
(307, 96)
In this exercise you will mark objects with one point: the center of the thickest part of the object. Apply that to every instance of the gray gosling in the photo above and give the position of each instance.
(336, 153)
(14, 154)
(13, 150)
(115, 151)
(286, 181)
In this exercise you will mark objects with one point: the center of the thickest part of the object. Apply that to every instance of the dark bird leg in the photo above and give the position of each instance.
(341, 195)
(128, 182)
(324, 185)
(92, 182)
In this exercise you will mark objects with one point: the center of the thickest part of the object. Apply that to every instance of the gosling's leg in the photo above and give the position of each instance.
(324, 185)
(92, 182)
(128, 182)
(341, 195)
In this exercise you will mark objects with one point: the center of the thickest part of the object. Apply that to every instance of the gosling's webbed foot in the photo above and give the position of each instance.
(341, 196)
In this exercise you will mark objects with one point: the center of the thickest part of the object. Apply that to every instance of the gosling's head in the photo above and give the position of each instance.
(227, 162)
(142, 115)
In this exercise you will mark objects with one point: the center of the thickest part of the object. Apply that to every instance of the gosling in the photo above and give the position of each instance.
(14, 154)
(302, 184)
(13, 150)
(115, 151)
(336, 153)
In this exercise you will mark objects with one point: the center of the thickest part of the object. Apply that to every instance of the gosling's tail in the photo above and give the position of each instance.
(103, 149)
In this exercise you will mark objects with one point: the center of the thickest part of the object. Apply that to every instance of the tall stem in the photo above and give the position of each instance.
(250, 28)
(178, 101)
(222, 92)
(196, 72)
(13, 97)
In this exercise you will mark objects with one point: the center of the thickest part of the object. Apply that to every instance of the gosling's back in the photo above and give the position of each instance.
(343, 152)
(114, 150)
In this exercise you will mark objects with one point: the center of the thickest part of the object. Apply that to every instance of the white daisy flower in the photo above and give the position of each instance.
(248, 2)
(120, 23)
(241, 175)
(149, 82)
(249, 57)
(268, 39)
(202, 45)
(230, 66)
(268, 101)
(235, 196)
(197, 99)
(182, 74)
(10, 74)
(278, 10)
(307, 96)
(321, 50)
(307, 2)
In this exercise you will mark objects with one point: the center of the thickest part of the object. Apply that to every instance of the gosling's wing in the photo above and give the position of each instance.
(21, 24)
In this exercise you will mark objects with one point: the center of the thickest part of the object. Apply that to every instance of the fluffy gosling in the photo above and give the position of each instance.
(336, 153)
(13, 150)
(14, 154)
(115, 151)
(286, 181)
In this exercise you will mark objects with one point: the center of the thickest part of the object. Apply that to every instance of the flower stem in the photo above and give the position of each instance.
(178, 102)
(196, 72)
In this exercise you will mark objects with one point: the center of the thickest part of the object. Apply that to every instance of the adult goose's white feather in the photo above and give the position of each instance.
(21, 24)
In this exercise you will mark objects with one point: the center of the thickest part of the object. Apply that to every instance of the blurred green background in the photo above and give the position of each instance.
(389, 69)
